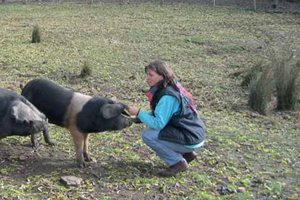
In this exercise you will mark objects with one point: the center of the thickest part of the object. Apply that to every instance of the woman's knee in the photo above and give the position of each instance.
(149, 135)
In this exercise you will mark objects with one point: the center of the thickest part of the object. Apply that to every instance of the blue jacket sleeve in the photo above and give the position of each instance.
(165, 109)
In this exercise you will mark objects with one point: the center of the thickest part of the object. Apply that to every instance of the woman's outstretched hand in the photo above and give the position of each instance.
(133, 110)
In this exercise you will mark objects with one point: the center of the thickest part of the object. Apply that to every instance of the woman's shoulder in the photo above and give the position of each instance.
(170, 90)
(169, 99)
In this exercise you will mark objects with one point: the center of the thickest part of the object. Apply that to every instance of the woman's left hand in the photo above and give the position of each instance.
(135, 119)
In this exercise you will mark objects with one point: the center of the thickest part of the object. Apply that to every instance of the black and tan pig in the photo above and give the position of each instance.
(80, 114)
(19, 117)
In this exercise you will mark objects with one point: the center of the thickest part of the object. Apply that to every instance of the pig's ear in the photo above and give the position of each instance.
(22, 113)
(111, 110)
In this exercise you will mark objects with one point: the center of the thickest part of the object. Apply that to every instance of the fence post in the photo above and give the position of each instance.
(254, 3)
(214, 3)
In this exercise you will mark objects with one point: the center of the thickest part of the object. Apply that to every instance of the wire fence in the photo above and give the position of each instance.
(266, 5)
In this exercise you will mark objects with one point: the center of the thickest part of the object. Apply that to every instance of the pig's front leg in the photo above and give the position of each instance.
(86, 155)
(47, 136)
(34, 141)
(78, 139)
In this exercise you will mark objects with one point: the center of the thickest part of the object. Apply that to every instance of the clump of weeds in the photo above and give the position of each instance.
(86, 69)
(36, 34)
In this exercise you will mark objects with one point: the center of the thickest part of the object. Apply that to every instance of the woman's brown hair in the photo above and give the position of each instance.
(162, 69)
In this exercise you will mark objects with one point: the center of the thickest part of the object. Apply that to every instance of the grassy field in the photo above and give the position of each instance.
(204, 46)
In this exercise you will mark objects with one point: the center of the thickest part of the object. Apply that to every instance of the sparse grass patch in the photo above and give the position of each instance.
(198, 41)
(232, 48)
(234, 64)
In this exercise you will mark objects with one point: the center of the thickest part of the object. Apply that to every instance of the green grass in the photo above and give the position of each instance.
(203, 45)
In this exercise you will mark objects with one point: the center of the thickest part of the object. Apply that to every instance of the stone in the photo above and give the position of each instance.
(241, 189)
(71, 180)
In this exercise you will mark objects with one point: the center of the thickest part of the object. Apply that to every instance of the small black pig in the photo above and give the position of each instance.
(19, 117)
(79, 113)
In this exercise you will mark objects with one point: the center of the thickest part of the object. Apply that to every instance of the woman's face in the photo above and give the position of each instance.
(152, 77)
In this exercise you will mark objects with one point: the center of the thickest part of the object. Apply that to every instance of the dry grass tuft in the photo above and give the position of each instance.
(252, 74)
(286, 76)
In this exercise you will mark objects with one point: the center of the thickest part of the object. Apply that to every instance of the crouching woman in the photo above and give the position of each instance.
(175, 128)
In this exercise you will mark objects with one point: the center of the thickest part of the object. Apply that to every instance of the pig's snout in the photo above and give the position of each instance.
(125, 123)
(129, 122)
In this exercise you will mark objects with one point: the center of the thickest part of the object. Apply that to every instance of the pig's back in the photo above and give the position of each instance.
(50, 98)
